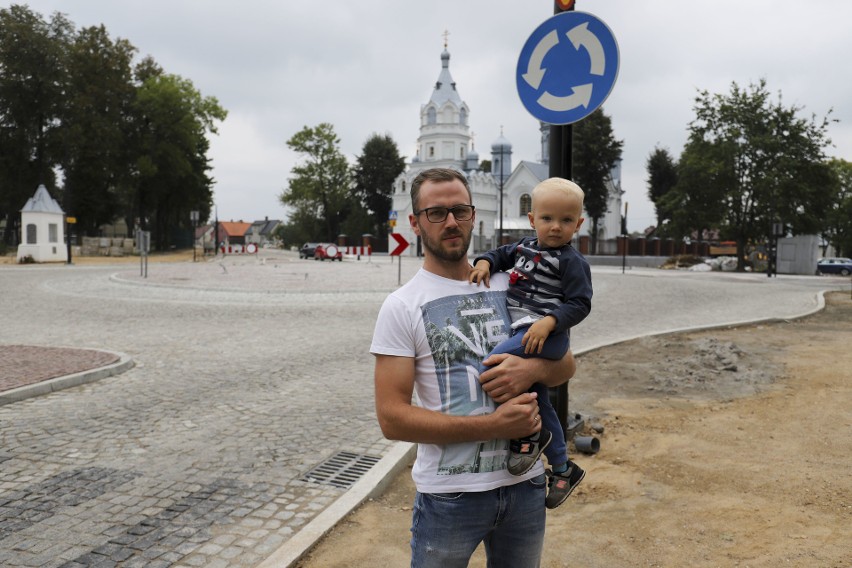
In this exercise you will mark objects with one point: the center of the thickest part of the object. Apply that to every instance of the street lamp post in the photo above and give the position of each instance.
(500, 238)
(193, 216)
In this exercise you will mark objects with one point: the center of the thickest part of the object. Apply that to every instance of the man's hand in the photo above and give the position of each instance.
(533, 340)
(507, 377)
(517, 417)
(510, 375)
(481, 272)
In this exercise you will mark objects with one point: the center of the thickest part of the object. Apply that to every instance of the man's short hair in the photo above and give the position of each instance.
(436, 175)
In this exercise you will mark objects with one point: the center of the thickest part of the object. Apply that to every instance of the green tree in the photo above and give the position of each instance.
(751, 162)
(322, 184)
(662, 178)
(32, 83)
(837, 230)
(595, 152)
(170, 168)
(94, 154)
(375, 171)
(694, 213)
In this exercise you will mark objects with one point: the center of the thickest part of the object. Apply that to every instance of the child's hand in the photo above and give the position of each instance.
(480, 273)
(533, 340)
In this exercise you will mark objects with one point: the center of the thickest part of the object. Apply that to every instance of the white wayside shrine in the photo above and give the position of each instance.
(43, 229)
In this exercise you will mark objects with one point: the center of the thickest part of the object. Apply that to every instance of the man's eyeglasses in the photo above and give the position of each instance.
(439, 214)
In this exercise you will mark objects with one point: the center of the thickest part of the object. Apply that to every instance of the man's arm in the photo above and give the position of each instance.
(399, 419)
(512, 375)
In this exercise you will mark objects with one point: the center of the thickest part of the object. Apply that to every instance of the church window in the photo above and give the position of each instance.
(431, 151)
(461, 152)
(526, 204)
(403, 187)
(431, 116)
(31, 234)
(53, 233)
(463, 117)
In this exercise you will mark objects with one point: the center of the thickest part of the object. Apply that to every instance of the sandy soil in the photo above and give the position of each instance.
(721, 448)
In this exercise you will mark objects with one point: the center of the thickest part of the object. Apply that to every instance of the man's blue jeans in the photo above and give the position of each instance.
(447, 527)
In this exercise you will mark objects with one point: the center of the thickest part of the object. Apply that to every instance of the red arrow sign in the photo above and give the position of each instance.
(401, 244)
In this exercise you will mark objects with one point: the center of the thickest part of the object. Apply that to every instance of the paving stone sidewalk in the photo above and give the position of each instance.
(24, 365)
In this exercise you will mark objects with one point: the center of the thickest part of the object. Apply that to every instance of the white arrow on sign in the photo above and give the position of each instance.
(582, 95)
(535, 72)
(580, 36)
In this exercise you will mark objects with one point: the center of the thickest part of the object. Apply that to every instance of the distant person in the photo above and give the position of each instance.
(430, 338)
(550, 291)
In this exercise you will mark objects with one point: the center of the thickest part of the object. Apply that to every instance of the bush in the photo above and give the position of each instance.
(28, 259)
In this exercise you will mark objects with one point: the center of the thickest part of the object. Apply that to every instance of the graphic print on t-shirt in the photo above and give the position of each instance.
(461, 330)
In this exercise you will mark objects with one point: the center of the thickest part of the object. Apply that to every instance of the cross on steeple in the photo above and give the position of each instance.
(446, 34)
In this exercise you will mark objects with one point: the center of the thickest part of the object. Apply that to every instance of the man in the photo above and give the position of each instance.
(430, 337)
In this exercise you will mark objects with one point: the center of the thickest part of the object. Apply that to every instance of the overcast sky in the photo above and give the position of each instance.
(367, 66)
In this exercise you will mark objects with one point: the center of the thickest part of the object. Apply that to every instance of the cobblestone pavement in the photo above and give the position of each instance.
(249, 373)
(22, 365)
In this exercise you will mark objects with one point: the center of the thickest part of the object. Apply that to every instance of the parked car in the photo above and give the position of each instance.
(308, 250)
(328, 251)
(834, 265)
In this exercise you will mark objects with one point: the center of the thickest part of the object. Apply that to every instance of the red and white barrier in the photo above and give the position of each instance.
(358, 250)
(250, 248)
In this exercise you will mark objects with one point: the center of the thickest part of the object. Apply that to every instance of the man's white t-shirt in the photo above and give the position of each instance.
(448, 327)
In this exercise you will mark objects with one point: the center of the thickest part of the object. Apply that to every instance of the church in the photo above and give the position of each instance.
(446, 141)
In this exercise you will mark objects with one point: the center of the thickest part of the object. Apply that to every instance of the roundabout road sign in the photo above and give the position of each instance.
(567, 68)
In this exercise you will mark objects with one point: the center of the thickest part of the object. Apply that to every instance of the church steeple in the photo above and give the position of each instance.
(444, 130)
(445, 87)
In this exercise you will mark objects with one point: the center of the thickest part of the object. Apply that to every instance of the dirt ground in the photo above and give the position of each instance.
(729, 447)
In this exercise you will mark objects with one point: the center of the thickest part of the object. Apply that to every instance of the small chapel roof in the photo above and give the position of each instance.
(42, 202)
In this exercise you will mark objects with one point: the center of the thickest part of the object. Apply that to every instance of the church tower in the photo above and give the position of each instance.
(444, 129)
(445, 141)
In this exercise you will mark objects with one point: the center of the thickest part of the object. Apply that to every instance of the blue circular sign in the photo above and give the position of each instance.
(567, 68)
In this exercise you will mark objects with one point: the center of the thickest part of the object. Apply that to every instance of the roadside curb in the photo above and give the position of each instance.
(372, 484)
(67, 381)
(820, 298)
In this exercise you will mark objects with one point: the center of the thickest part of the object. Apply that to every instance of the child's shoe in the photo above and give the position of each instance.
(526, 451)
(560, 485)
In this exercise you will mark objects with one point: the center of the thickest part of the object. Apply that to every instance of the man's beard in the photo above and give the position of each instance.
(437, 249)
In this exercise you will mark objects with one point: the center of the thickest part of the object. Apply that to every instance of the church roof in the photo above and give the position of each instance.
(42, 202)
(445, 88)
(539, 170)
(501, 142)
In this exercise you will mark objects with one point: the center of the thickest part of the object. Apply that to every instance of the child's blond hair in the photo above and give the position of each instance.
(559, 184)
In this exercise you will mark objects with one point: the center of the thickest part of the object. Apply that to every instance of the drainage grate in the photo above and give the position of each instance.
(341, 470)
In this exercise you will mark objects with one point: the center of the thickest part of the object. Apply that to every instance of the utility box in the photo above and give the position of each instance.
(798, 255)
